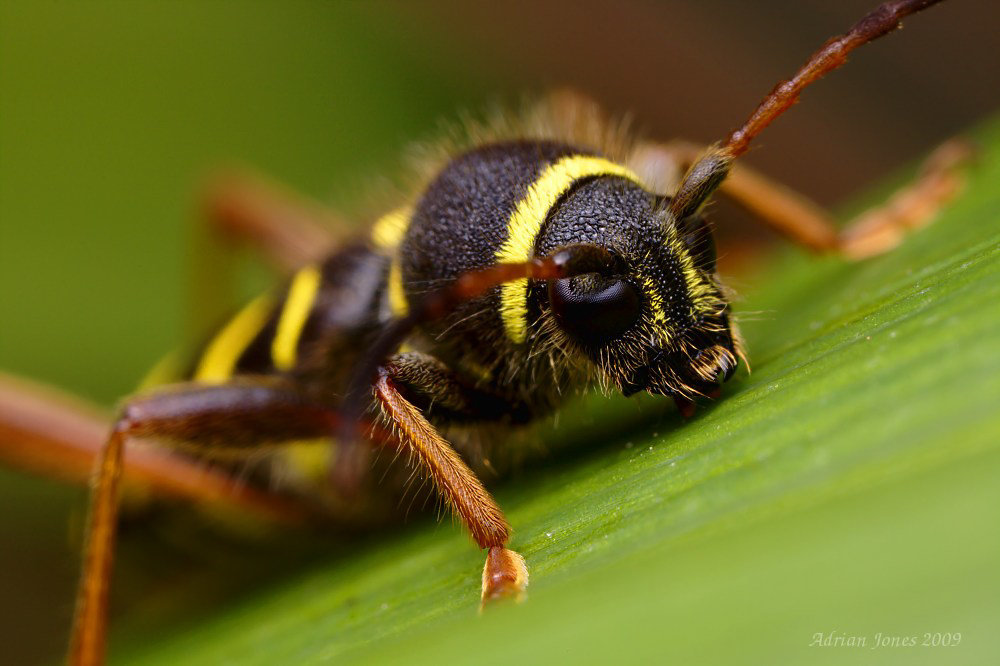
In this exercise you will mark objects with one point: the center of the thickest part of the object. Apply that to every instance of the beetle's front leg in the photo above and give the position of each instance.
(505, 574)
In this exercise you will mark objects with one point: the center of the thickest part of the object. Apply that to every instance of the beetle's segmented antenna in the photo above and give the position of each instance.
(883, 20)
(709, 172)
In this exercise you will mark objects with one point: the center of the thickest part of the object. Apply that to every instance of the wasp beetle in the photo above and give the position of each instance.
(560, 253)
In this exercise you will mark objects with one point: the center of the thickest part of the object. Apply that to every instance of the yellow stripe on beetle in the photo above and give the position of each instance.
(298, 305)
(705, 300)
(398, 304)
(388, 230)
(526, 222)
(656, 304)
(222, 353)
(387, 235)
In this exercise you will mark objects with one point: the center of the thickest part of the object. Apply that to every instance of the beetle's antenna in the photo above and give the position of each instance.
(833, 54)
(706, 174)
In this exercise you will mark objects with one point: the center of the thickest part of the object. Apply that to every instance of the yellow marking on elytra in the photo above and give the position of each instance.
(397, 295)
(298, 303)
(387, 235)
(221, 354)
(526, 222)
(388, 230)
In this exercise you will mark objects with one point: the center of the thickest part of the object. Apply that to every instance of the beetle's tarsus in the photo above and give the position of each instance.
(505, 576)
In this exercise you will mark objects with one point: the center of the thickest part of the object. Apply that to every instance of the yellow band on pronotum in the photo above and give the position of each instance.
(526, 222)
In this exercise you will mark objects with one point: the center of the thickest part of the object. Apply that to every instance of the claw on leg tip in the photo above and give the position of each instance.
(505, 576)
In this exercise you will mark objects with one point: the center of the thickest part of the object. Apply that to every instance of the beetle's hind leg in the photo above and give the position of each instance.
(874, 231)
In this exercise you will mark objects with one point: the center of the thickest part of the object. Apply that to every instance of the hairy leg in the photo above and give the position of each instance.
(505, 573)
(804, 222)
(237, 415)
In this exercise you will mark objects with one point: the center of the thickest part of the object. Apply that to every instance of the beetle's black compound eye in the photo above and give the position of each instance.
(592, 309)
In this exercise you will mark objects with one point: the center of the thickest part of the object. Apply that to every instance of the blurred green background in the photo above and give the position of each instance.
(112, 115)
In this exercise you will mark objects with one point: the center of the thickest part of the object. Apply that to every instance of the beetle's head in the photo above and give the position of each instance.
(659, 320)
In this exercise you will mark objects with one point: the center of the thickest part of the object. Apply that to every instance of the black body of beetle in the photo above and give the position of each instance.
(660, 324)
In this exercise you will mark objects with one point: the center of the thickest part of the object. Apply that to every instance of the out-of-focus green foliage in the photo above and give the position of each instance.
(111, 116)
(111, 119)
(847, 488)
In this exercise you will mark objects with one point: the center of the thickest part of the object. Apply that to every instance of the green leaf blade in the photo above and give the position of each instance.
(847, 487)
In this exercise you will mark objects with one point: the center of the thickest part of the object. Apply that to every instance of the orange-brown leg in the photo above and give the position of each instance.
(288, 229)
(880, 229)
(88, 640)
(242, 414)
(504, 574)
(240, 208)
(47, 432)
(793, 215)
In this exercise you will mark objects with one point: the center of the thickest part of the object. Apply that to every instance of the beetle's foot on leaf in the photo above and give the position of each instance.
(505, 576)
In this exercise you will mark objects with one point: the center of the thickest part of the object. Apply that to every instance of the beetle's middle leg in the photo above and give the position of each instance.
(239, 208)
(238, 414)
(288, 229)
(876, 230)
(53, 434)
